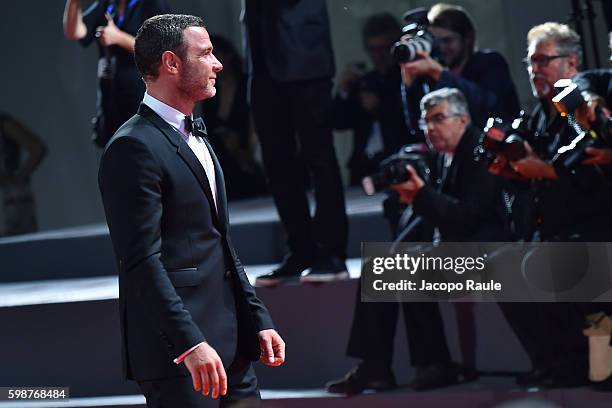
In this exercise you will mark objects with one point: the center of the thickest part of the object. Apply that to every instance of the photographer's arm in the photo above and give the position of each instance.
(345, 107)
(74, 28)
(598, 156)
(464, 213)
(532, 167)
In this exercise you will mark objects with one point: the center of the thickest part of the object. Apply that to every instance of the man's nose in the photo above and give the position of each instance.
(217, 66)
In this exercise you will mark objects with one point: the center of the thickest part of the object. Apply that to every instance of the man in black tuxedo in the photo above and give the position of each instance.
(186, 305)
(290, 64)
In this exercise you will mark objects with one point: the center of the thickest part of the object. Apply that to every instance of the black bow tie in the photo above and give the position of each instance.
(195, 125)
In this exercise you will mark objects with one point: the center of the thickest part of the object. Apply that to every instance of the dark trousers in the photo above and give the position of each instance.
(242, 391)
(293, 122)
(373, 333)
(551, 333)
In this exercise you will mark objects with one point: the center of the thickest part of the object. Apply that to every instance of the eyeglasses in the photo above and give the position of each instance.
(541, 60)
(435, 120)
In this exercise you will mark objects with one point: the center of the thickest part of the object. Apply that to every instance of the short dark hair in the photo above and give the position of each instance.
(381, 24)
(157, 35)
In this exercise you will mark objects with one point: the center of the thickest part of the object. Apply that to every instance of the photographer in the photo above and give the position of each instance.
(566, 205)
(369, 103)
(483, 76)
(464, 205)
(596, 85)
(113, 24)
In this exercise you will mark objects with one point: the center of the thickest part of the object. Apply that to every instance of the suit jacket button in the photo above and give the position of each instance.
(228, 273)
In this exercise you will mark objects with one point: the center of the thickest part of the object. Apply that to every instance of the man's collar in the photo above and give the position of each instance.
(170, 115)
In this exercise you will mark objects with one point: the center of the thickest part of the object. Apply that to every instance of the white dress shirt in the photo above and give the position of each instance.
(176, 119)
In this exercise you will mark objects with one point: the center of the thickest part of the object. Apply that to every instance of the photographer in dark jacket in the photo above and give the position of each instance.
(369, 103)
(464, 205)
(483, 76)
(596, 86)
(567, 205)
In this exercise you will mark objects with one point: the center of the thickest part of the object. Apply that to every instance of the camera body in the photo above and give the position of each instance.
(416, 38)
(392, 170)
(502, 138)
(567, 102)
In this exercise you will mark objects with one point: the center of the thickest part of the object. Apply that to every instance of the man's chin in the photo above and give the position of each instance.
(207, 93)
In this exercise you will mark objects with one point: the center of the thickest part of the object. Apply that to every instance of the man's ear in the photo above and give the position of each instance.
(572, 64)
(170, 63)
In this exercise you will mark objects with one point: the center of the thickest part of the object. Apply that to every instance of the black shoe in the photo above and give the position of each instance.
(360, 379)
(290, 269)
(440, 375)
(534, 378)
(326, 269)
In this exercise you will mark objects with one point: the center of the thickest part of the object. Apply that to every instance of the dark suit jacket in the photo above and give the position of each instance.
(290, 39)
(180, 280)
(466, 205)
(487, 85)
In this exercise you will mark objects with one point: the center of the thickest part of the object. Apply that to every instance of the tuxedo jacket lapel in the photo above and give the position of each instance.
(220, 184)
(189, 157)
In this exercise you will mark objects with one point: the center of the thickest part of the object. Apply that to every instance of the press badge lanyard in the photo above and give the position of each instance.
(111, 9)
(405, 105)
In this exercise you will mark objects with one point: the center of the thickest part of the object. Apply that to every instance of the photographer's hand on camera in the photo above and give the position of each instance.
(501, 167)
(409, 189)
(532, 167)
(586, 116)
(424, 66)
(350, 76)
(598, 156)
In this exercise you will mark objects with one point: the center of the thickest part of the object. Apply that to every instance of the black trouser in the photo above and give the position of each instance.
(373, 332)
(551, 333)
(303, 108)
(242, 391)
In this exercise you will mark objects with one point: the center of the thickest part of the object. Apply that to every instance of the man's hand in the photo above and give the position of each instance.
(501, 167)
(532, 167)
(425, 65)
(598, 156)
(408, 189)
(350, 75)
(272, 348)
(586, 114)
(109, 34)
(207, 371)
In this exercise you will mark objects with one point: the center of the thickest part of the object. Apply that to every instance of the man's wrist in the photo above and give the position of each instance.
(436, 72)
(182, 357)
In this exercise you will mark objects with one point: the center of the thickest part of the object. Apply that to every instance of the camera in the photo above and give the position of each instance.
(507, 139)
(567, 101)
(392, 170)
(416, 38)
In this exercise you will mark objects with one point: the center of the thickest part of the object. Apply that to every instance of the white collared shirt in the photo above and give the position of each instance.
(176, 119)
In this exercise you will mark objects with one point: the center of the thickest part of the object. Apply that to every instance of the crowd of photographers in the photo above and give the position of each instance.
(470, 165)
